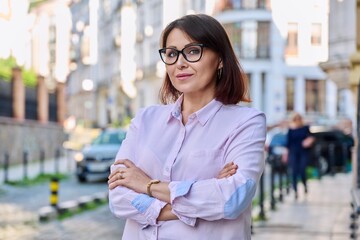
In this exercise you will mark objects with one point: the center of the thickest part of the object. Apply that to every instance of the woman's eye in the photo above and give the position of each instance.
(193, 51)
(171, 54)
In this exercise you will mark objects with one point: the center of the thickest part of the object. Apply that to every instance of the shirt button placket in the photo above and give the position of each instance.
(174, 153)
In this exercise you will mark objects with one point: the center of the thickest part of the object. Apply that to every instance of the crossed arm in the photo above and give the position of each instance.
(133, 178)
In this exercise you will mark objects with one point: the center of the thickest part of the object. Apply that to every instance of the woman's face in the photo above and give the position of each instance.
(195, 78)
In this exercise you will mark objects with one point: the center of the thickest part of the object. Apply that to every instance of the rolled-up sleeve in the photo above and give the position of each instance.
(227, 198)
(125, 203)
(143, 209)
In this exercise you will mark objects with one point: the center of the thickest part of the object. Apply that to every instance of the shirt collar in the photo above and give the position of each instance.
(203, 115)
(208, 111)
(176, 110)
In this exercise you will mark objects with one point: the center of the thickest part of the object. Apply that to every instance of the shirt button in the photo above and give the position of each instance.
(167, 169)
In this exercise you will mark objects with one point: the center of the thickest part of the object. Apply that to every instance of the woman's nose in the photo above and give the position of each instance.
(181, 60)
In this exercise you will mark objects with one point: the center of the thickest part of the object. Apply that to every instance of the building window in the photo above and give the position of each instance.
(249, 4)
(290, 94)
(234, 32)
(315, 96)
(224, 5)
(250, 39)
(263, 48)
(316, 34)
(292, 40)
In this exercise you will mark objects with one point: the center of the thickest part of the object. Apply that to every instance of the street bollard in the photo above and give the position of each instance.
(280, 173)
(272, 187)
(42, 159)
(6, 167)
(25, 162)
(57, 159)
(345, 157)
(54, 188)
(262, 211)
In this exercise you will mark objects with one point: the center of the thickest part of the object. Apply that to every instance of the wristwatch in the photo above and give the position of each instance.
(154, 181)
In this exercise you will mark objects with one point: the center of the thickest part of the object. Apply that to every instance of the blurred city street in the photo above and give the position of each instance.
(322, 214)
(19, 210)
(73, 70)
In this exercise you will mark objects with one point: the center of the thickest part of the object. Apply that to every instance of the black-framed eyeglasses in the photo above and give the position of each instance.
(191, 53)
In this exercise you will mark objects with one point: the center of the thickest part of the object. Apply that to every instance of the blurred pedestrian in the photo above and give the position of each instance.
(299, 139)
(174, 177)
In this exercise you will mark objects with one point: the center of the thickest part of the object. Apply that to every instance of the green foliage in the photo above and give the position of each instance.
(41, 178)
(5, 67)
(28, 75)
(312, 173)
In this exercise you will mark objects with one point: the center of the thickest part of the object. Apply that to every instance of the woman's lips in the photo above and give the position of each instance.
(183, 76)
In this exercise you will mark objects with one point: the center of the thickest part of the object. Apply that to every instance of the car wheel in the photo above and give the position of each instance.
(323, 165)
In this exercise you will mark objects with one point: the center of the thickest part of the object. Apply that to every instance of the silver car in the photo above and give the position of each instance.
(95, 160)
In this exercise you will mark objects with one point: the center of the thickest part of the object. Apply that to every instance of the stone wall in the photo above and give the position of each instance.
(31, 136)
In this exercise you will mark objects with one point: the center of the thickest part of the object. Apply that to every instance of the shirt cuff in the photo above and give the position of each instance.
(148, 206)
(179, 189)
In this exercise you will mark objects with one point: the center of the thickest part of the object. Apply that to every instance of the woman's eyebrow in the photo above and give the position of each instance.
(186, 45)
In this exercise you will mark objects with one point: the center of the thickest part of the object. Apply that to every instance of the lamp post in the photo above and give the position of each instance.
(87, 86)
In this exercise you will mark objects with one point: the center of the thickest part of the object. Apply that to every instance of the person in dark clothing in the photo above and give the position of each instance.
(297, 152)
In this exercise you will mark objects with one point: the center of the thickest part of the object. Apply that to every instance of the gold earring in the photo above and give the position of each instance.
(219, 73)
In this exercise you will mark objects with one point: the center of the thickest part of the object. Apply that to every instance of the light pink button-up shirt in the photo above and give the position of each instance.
(190, 157)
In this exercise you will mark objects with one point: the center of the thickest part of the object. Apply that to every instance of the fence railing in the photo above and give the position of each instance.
(57, 162)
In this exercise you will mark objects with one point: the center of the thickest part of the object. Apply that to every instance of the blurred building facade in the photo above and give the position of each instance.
(279, 44)
(35, 34)
(101, 83)
(342, 22)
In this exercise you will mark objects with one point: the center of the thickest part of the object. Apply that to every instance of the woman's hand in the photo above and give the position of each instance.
(228, 170)
(129, 176)
(166, 214)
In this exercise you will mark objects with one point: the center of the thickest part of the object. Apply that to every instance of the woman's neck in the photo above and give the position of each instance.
(191, 104)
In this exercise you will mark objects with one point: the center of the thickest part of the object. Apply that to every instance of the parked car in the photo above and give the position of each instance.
(95, 159)
(331, 150)
(329, 154)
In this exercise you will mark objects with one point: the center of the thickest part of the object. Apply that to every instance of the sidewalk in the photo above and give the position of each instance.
(322, 214)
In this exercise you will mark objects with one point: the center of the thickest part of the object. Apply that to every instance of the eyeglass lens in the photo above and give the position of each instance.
(191, 54)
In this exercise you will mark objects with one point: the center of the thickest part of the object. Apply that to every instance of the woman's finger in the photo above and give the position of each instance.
(114, 184)
(228, 165)
(228, 170)
(118, 170)
(119, 161)
(128, 163)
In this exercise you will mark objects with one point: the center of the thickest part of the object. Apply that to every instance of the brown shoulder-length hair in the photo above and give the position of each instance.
(232, 86)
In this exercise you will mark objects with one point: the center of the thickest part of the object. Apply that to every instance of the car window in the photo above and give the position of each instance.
(109, 138)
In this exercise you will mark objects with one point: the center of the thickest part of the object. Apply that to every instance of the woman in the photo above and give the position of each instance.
(297, 137)
(189, 169)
